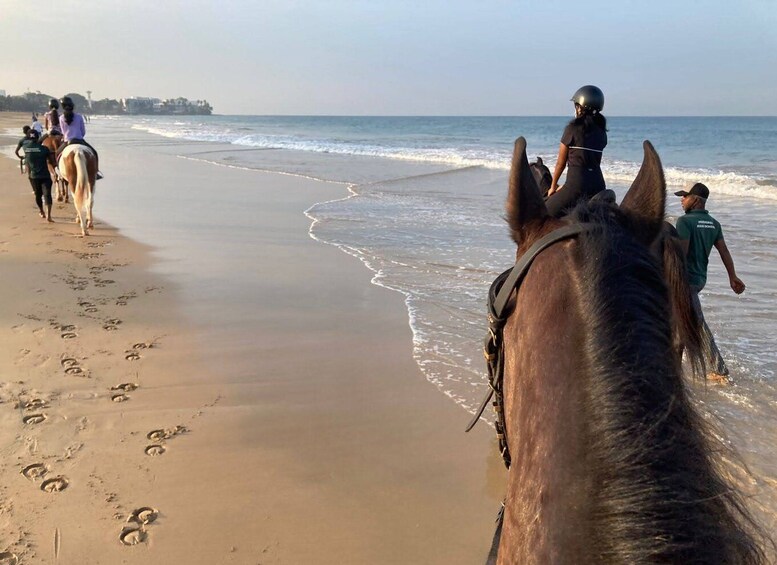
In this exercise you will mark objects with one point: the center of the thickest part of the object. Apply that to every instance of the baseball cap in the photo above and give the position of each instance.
(697, 189)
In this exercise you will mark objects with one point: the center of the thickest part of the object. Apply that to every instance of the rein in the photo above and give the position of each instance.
(498, 296)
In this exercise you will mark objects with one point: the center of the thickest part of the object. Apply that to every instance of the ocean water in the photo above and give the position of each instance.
(422, 208)
(423, 203)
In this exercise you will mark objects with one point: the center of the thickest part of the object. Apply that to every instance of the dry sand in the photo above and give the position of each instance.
(342, 453)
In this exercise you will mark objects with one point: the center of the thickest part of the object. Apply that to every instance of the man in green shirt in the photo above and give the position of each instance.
(699, 233)
(37, 157)
(19, 146)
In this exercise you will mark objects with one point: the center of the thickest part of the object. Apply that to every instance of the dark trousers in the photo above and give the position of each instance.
(714, 358)
(581, 184)
(42, 189)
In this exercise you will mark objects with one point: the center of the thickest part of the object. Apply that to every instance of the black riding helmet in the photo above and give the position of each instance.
(67, 102)
(53, 104)
(589, 97)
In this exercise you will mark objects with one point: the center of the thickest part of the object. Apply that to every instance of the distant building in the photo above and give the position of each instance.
(139, 105)
(182, 106)
(2, 92)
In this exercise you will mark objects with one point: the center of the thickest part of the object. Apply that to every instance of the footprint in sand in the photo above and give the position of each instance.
(87, 306)
(35, 471)
(160, 436)
(71, 366)
(55, 484)
(120, 397)
(154, 450)
(8, 558)
(126, 387)
(132, 356)
(144, 515)
(69, 335)
(68, 362)
(110, 328)
(132, 535)
(34, 419)
(157, 435)
(35, 404)
(167, 433)
(122, 300)
(135, 533)
(89, 255)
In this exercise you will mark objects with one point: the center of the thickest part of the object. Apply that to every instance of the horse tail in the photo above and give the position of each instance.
(687, 326)
(83, 187)
(82, 176)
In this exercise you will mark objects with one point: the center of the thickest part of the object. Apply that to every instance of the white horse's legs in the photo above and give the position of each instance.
(89, 204)
(78, 200)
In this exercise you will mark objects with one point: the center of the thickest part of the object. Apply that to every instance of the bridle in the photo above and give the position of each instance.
(498, 297)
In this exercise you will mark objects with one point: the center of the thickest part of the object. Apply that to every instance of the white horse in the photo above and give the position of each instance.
(78, 166)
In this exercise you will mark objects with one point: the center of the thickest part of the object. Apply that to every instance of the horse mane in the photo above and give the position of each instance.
(660, 497)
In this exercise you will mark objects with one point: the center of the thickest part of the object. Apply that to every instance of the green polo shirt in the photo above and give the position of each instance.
(36, 157)
(701, 231)
(23, 142)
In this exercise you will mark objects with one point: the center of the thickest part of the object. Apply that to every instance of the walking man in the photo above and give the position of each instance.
(20, 146)
(699, 233)
(37, 157)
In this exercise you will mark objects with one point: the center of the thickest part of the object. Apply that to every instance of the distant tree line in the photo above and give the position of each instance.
(39, 103)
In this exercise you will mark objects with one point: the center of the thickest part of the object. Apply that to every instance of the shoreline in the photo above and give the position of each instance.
(334, 449)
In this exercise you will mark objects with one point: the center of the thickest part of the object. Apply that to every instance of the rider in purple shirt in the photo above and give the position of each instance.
(74, 130)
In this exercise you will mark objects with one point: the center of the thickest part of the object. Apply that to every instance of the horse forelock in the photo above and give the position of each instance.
(658, 496)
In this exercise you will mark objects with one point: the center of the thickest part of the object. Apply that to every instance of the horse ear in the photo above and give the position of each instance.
(525, 206)
(645, 202)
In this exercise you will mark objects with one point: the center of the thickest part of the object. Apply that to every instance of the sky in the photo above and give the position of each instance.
(399, 57)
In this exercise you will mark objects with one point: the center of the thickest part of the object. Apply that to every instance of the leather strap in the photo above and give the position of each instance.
(510, 280)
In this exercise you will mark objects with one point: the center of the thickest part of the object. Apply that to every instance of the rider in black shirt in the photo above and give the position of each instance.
(581, 148)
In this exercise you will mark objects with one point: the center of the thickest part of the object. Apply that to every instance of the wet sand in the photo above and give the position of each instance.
(332, 449)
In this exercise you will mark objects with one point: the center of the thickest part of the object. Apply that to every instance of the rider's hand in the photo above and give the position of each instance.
(737, 285)
(553, 188)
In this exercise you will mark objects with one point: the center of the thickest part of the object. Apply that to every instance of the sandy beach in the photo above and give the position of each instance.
(133, 432)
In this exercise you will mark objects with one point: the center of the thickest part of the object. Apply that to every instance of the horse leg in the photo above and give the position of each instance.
(89, 204)
(78, 201)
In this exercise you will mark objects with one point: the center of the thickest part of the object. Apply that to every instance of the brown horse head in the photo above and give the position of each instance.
(610, 461)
